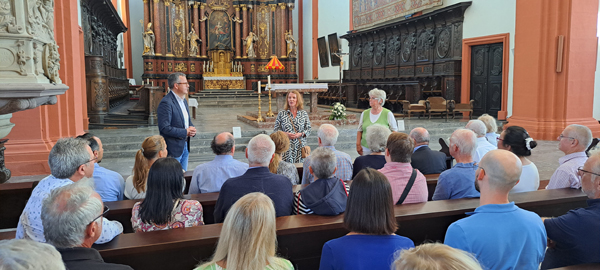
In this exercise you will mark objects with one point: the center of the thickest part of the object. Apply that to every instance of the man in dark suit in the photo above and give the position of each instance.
(174, 122)
(423, 158)
(257, 178)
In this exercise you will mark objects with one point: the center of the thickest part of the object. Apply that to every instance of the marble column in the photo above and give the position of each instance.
(203, 29)
(282, 29)
(156, 26)
(289, 16)
(245, 26)
(238, 37)
(146, 14)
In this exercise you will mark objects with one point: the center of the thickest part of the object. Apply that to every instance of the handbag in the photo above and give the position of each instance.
(305, 151)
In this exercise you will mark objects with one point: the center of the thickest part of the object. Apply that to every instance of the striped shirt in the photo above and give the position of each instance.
(301, 209)
(344, 167)
(566, 174)
(398, 174)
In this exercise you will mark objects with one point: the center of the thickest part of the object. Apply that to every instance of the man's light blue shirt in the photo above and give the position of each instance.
(417, 148)
(109, 184)
(344, 167)
(210, 176)
(30, 223)
(456, 183)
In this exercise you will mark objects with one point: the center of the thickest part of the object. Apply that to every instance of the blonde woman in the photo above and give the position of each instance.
(294, 121)
(491, 128)
(153, 148)
(277, 165)
(248, 240)
(435, 256)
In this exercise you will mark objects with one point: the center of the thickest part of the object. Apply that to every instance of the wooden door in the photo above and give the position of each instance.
(486, 78)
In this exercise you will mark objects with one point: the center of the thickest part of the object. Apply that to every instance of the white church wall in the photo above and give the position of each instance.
(307, 39)
(137, 63)
(334, 17)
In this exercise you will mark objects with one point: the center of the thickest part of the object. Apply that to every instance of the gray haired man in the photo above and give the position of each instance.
(72, 216)
(70, 160)
(328, 136)
(483, 146)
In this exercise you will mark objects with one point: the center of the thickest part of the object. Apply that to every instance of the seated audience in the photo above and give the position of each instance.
(257, 178)
(248, 238)
(499, 233)
(370, 219)
(164, 207)
(279, 166)
(573, 141)
(327, 195)
(377, 136)
(72, 216)
(210, 176)
(491, 128)
(517, 140)
(435, 256)
(483, 146)
(423, 158)
(327, 136)
(459, 182)
(70, 160)
(399, 172)
(109, 184)
(153, 148)
(574, 236)
(19, 254)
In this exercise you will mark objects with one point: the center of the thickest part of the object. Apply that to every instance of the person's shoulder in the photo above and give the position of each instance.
(190, 203)
(402, 240)
(343, 154)
(287, 265)
(529, 215)
(111, 173)
(206, 266)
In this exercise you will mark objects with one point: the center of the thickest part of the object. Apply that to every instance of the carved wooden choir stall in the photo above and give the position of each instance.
(218, 44)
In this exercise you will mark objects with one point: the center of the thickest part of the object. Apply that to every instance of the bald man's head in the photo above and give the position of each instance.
(502, 168)
(222, 144)
(420, 135)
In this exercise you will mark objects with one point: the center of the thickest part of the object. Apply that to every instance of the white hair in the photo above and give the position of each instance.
(581, 133)
(477, 126)
(68, 211)
(466, 140)
(378, 94)
(490, 123)
(323, 162)
(261, 149)
(377, 136)
(20, 254)
(328, 134)
(420, 135)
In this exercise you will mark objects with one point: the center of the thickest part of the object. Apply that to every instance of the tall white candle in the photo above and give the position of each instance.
(259, 87)
(269, 77)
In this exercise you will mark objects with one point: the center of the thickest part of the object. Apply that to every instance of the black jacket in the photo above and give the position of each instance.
(87, 259)
(427, 161)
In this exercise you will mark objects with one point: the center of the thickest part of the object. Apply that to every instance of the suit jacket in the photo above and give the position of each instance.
(87, 259)
(260, 179)
(171, 124)
(428, 161)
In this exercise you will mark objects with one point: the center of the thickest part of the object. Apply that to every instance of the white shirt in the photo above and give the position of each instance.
(483, 146)
(492, 138)
(184, 112)
(566, 174)
(529, 180)
(130, 191)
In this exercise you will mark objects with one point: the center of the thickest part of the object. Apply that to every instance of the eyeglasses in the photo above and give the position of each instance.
(581, 171)
(184, 83)
(560, 137)
(106, 209)
(498, 139)
(93, 159)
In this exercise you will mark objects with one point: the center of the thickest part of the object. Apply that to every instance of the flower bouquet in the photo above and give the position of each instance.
(338, 112)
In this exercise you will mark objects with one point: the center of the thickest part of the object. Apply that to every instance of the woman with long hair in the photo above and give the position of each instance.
(517, 140)
(164, 207)
(153, 148)
(294, 121)
(277, 165)
(369, 217)
(248, 238)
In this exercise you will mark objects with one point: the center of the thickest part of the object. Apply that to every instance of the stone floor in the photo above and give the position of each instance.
(219, 119)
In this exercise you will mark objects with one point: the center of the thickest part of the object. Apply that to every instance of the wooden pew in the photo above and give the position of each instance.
(13, 198)
(301, 238)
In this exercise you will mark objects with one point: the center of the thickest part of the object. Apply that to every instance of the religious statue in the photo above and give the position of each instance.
(249, 43)
(291, 44)
(148, 40)
(194, 40)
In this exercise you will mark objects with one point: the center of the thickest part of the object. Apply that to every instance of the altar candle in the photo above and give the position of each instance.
(269, 77)
(259, 87)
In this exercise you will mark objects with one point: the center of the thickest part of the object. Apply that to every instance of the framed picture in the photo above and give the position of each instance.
(323, 52)
(334, 48)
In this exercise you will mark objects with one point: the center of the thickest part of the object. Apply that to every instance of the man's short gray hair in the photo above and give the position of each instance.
(420, 135)
(377, 136)
(66, 156)
(328, 134)
(20, 254)
(378, 94)
(68, 211)
(466, 140)
(323, 162)
(581, 133)
(261, 149)
(477, 126)
(174, 78)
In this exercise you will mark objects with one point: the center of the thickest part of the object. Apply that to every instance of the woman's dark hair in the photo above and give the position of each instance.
(516, 138)
(370, 207)
(165, 184)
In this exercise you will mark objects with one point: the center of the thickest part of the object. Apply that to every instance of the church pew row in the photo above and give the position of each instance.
(301, 238)
(13, 198)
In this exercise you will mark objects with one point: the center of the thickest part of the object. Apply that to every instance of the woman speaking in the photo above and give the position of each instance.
(377, 114)
(295, 123)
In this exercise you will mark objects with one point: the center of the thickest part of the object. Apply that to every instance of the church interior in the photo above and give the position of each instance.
(103, 67)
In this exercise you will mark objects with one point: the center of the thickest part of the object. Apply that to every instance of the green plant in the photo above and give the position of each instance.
(338, 112)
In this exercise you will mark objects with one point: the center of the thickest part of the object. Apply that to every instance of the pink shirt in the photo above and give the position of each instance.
(398, 174)
(565, 175)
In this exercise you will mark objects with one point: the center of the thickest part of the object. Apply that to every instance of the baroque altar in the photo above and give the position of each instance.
(218, 44)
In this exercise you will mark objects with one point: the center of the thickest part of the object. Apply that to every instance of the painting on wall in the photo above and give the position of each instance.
(219, 28)
(367, 13)
(323, 52)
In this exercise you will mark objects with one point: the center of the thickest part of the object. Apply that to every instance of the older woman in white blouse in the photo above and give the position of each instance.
(377, 114)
